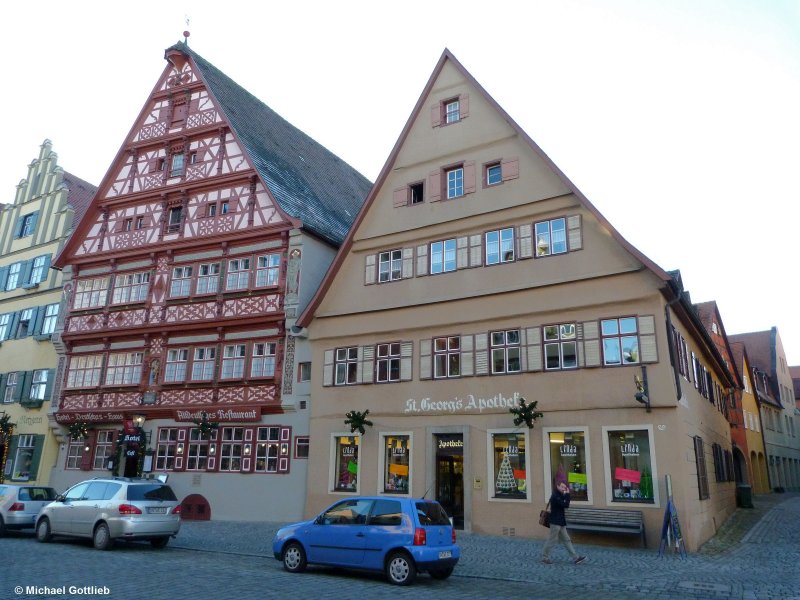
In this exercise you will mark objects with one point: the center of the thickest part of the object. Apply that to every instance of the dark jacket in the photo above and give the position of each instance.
(558, 502)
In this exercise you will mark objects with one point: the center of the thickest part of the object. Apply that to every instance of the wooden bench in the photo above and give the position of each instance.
(606, 520)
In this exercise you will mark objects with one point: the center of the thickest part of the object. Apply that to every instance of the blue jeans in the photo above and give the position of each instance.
(558, 533)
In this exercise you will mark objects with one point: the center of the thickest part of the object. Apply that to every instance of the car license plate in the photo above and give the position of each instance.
(445, 554)
(158, 510)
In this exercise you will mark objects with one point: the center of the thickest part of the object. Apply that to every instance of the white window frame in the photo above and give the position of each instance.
(5, 322)
(74, 454)
(26, 446)
(390, 265)
(124, 368)
(167, 448)
(491, 475)
(37, 270)
(27, 228)
(208, 359)
(38, 384)
(208, 278)
(454, 180)
(25, 320)
(388, 357)
(608, 480)
(449, 247)
(263, 357)
(103, 449)
(452, 111)
(619, 337)
(268, 268)
(175, 365)
(494, 169)
(499, 248)
(194, 451)
(237, 277)
(505, 347)
(8, 394)
(50, 319)
(130, 287)
(268, 448)
(380, 487)
(181, 281)
(560, 340)
(14, 271)
(346, 356)
(546, 240)
(448, 351)
(233, 361)
(229, 447)
(547, 467)
(88, 366)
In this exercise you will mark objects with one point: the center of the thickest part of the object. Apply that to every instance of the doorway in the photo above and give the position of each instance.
(450, 476)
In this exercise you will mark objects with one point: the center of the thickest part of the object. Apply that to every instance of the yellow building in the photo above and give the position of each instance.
(33, 228)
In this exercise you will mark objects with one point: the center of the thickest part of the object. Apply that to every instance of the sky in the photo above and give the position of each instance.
(679, 120)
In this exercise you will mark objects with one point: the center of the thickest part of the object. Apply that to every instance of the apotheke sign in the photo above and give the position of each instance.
(468, 404)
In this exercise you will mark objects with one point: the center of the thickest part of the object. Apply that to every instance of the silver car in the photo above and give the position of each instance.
(109, 509)
(19, 505)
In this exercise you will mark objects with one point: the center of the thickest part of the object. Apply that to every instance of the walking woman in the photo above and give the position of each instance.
(559, 500)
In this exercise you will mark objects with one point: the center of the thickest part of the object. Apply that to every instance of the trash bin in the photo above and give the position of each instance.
(744, 496)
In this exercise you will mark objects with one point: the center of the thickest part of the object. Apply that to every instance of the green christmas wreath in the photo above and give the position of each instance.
(78, 430)
(357, 420)
(525, 413)
(205, 427)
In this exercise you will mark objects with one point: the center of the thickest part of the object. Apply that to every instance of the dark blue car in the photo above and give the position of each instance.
(397, 536)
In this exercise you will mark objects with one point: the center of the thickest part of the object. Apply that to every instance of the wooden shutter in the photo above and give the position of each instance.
(481, 354)
(591, 344)
(523, 356)
(12, 451)
(36, 328)
(467, 355)
(469, 177)
(13, 322)
(17, 395)
(525, 241)
(406, 356)
(425, 370)
(284, 450)
(366, 364)
(533, 348)
(462, 252)
(327, 368)
(34, 220)
(38, 446)
(648, 352)
(408, 263)
(152, 165)
(2, 392)
(700, 460)
(475, 250)
(18, 226)
(370, 270)
(86, 457)
(436, 114)
(435, 186)
(48, 389)
(34, 316)
(463, 106)
(25, 273)
(25, 382)
(400, 197)
(422, 260)
(509, 168)
(3, 278)
(574, 236)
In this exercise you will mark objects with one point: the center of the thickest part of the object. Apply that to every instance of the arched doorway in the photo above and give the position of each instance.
(740, 465)
(195, 508)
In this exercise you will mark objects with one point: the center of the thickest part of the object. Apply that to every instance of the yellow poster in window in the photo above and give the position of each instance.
(401, 470)
(576, 477)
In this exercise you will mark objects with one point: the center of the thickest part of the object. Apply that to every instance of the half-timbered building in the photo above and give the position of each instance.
(212, 227)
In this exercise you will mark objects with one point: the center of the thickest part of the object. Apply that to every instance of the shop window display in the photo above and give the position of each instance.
(509, 476)
(397, 451)
(631, 466)
(568, 462)
(346, 472)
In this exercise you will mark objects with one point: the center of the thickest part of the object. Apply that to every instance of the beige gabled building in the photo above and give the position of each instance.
(33, 228)
(477, 275)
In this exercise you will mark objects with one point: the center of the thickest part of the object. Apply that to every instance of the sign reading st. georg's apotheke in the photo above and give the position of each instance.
(469, 404)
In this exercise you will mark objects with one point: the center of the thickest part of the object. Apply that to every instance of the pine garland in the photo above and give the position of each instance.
(78, 430)
(526, 412)
(205, 427)
(358, 420)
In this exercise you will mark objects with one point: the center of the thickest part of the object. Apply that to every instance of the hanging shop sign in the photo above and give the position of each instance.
(468, 404)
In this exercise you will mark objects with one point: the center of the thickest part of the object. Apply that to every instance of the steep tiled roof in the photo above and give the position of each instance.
(80, 195)
(309, 182)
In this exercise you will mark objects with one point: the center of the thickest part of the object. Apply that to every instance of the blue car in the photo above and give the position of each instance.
(396, 536)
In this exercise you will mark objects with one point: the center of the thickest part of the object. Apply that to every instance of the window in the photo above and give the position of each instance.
(507, 465)
(560, 347)
(551, 237)
(124, 368)
(12, 379)
(505, 351)
(443, 256)
(230, 458)
(13, 276)
(139, 222)
(181, 281)
(175, 369)
(268, 269)
(103, 449)
(500, 246)
(39, 385)
(620, 342)
(75, 454)
(390, 265)
(233, 361)
(700, 461)
(177, 165)
(267, 443)
(396, 462)
(197, 455)
(27, 225)
(174, 221)
(304, 371)
(631, 468)
(223, 206)
(388, 362)
(208, 278)
(447, 357)
(346, 465)
(23, 461)
(452, 113)
(346, 365)
(203, 363)
(211, 210)
(84, 370)
(38, 274)
(455, 182)
(91, 293)
(494, 174)
(128, 225)
(24, 326)
(301, 445)
(238, 274)
(5, 321)
(568, 462)
(166, 448)
(263, 361)
(130, 288)
(416, 192)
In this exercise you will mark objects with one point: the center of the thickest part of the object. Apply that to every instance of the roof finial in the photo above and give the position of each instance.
(186, 33)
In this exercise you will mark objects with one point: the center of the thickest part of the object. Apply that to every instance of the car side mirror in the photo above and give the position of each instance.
(318, 520)
(60, 498)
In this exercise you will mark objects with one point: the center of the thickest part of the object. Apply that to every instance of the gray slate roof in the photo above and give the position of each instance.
(308, 181)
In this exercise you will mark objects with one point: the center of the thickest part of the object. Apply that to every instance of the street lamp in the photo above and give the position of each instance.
(139, 420)
(641, 388)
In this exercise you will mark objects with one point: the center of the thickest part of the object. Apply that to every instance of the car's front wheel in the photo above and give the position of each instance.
(159, 542)
(43, 530)
(400, 569)
(441, 573)
(102, 537)
(294, 558)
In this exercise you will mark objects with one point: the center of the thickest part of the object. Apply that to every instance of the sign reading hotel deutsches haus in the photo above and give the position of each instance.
(467, 404)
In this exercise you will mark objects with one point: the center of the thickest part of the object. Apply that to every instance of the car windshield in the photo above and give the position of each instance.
(151, 492)
(432, 513)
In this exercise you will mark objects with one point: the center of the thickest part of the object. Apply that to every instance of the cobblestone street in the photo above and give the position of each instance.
(754, 555)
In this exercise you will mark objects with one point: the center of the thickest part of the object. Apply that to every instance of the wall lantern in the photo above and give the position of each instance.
(641, 389)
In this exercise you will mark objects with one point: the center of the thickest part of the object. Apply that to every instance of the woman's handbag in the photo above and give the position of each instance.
(544, 516)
